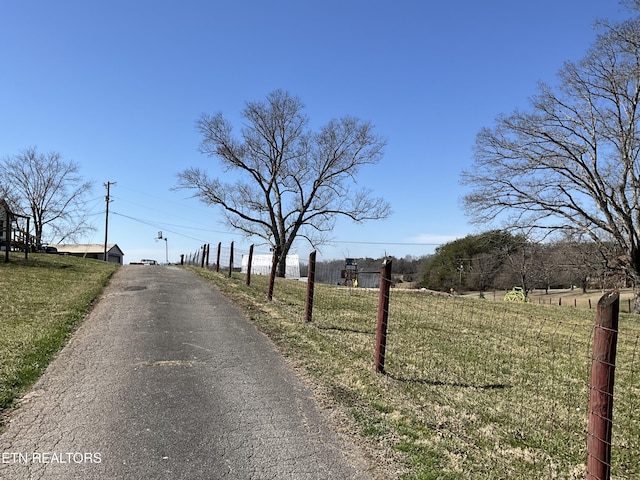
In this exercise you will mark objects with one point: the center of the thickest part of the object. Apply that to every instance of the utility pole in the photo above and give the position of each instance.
(107, 199)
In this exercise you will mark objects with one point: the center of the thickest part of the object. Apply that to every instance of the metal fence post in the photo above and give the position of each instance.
(383, 316)
(311, 276)
(605, 338)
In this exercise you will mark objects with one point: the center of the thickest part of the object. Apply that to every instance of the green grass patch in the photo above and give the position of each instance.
(473, 390)
(42, 300)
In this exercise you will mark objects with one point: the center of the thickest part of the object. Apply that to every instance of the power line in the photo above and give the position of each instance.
(389, 243)
(158, 226)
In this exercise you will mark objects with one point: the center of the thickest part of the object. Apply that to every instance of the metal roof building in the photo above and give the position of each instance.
(92, 250)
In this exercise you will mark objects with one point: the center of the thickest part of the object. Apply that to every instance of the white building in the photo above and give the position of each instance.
(261, 265)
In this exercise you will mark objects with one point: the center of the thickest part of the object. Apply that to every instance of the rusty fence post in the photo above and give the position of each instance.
(218, 257)
(311, 278)
(383, 316)
(605, 338)
(249, 262)
(231, 260)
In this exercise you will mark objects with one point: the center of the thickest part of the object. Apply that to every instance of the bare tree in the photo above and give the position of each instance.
(49, 190)
(293, 182)
(571, 162)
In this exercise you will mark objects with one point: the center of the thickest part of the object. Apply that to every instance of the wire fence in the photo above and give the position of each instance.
(521, 377)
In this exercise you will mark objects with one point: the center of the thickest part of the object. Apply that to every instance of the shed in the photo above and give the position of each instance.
(92, 250)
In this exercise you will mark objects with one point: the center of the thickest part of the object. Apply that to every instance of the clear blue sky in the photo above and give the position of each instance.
(117, 86)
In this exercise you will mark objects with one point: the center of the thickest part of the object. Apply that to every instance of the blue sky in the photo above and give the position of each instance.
(117, 87)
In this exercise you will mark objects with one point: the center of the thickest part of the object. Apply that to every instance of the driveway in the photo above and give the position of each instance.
(166, 379)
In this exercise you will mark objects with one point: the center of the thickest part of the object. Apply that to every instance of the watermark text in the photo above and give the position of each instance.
(25, 458)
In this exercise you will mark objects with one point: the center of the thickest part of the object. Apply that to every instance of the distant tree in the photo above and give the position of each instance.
(48, 189)
(470, 262)
(294, 182)
(571, 163)
(524, 262)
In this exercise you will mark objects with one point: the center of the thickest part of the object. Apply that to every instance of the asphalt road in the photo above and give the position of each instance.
(166, 379)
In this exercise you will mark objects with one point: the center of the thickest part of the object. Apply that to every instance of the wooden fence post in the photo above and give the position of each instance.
(383, 316)
(7, 226)
(249, 262)
(27, 241)
(203, 250)
(182, 259)
(605, 338)
(206, 263)
(231, 260)
(311, 276)
(218, 257)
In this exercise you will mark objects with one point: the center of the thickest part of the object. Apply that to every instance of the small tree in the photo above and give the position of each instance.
(49, 190)
(293, 182)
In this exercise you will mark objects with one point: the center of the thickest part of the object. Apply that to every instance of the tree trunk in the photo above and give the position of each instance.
(634, 276)
(282, 266)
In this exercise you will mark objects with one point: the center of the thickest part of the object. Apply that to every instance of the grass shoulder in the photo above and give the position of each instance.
(43, 300)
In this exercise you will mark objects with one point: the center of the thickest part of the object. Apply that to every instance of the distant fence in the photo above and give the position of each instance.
(550, 381)
(582, 303)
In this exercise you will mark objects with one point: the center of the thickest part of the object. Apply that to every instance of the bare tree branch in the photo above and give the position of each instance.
(571, 162)
(48, 189)
(295, 182)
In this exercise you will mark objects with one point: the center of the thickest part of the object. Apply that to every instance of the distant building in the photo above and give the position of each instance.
(92, 250)
(261, 265)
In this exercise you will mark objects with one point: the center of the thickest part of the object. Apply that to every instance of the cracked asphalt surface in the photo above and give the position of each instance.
(166, 379)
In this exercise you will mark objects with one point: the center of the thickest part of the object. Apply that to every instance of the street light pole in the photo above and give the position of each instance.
(166, 244)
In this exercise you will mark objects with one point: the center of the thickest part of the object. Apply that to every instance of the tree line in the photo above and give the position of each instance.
(497, 260)
(500, 260)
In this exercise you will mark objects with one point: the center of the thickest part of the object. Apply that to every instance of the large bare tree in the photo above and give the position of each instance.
(571, 162)
(292, 182)
(48, 189)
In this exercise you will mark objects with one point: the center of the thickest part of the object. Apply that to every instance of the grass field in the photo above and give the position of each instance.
(474, 389)
(42, 300)
(564, 297)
